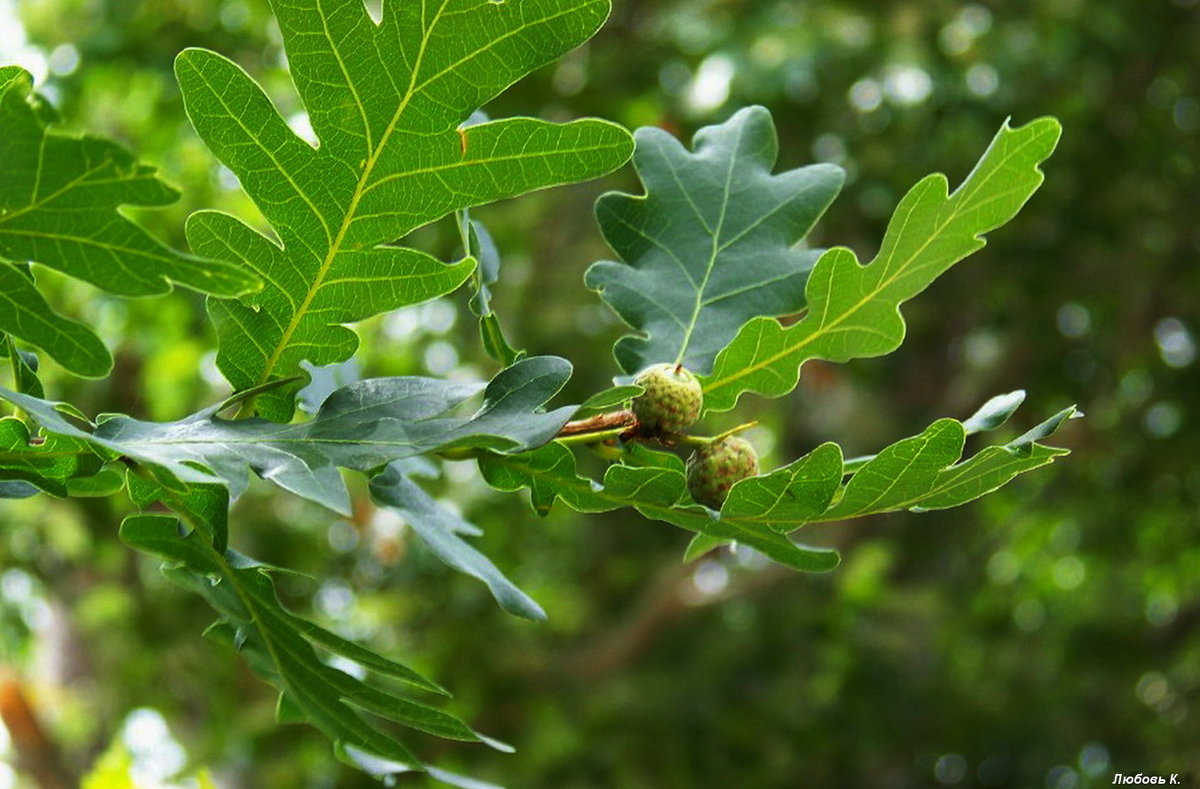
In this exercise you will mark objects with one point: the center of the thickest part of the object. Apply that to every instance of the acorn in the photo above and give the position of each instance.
(672, 399)
(713, 468)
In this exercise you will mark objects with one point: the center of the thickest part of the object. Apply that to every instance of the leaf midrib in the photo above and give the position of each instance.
(359, 190)
(713, 253)
(361, 187)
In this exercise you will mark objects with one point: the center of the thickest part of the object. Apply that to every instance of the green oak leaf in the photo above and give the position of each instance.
(925, 472)
(656, 490)
(24, 367)
(439, 528)
(59, 206)
(480, 245)
(608, 399)
(854, 310)
(281, 647)
(711, 243)
(790, 496)
(363, 427)
(48, 463)
(205, 507)
(919, 473)
(104, 483)
(387, 102)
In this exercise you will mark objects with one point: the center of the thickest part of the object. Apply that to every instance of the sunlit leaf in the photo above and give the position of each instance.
(59, 206)
(387, 102)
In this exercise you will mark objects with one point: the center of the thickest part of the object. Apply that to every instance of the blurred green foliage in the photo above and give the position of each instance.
(1045, 636)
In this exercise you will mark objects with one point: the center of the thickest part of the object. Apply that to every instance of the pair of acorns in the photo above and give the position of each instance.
(671, 402)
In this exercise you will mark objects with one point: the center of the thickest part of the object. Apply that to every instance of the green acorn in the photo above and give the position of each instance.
(713, 468)
(672, 398)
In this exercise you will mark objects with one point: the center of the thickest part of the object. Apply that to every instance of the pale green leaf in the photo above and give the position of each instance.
(387, 102)
(854, 310)
(994, 412)
(60, 197)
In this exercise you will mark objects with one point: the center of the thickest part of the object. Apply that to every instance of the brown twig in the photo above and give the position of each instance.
(599, 423)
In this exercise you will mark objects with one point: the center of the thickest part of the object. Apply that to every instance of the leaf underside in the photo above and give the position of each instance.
(59, 201)
(363, 427)
(387, 102)
(711, 243)
(853, 310)
(439, 529)
(195, 464)
(283, 648)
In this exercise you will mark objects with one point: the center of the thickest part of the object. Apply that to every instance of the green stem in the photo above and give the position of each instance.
(462, 219)
(15, 362)
(700, 441)
(598, 437)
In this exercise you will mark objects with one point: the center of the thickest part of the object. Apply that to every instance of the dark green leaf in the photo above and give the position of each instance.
(439, 529)
(280, 646)
(324, 381)
(710, 245)
(364, 427)
(656, 491)
(922, 472)
(607, 400)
